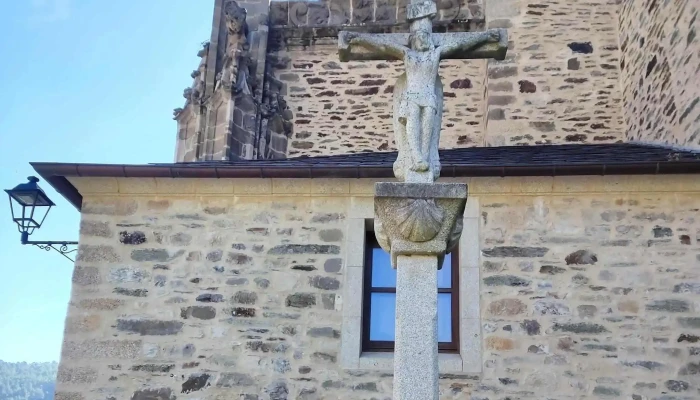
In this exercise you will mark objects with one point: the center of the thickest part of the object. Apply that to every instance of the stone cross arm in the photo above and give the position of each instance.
(493, 50)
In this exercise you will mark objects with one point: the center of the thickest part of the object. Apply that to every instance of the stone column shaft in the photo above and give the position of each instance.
(415, 346)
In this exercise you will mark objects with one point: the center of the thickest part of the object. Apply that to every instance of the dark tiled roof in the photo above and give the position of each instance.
(596, 159)
(504, 156)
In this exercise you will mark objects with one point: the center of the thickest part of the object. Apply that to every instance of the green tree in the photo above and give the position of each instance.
(27, 381)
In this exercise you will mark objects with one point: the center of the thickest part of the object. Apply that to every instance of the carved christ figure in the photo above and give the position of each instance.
(418, 93)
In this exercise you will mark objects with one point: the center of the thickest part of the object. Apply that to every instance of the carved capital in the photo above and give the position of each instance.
(418, 218)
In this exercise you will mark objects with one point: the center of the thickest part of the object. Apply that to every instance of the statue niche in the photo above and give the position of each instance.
(235, 71)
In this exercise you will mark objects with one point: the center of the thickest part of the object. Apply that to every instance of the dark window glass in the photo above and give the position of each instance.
(379, 303)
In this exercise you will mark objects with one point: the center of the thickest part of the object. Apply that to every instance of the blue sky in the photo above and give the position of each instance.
(81, 81)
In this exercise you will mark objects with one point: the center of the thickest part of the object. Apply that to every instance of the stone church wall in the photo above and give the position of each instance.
(660, 75)
(347, 107)
(560, 81)
(222, 289)
(559, 84)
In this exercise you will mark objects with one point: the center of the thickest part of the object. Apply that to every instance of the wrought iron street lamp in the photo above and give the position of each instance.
(30, 206)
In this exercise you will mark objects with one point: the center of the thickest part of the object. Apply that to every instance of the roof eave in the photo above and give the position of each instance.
(56, 173)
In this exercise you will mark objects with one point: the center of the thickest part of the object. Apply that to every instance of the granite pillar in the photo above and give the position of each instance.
(417, 223)
(415, 345)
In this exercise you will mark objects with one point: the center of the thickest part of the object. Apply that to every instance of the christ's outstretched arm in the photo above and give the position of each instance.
(376, 43)
(475, 39)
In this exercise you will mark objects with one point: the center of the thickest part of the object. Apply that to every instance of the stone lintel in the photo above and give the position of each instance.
(496, 51)
(421, 190)
(418, 218)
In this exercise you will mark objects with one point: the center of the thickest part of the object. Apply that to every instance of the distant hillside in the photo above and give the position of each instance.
(27, 381)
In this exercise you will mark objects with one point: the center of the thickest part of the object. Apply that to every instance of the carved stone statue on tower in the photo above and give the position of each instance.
(418, 94)
(417, 220)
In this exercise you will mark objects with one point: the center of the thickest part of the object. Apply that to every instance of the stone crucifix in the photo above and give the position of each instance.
(417, 220)
(418, 96)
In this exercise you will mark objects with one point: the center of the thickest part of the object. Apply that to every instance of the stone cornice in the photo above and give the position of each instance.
(527, 186)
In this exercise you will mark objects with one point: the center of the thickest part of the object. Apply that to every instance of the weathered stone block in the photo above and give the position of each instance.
(327, 332)
(153, 394)
(321, 356)
(676, 386)
(324, 282)
(499, 343)
(328, 301)
(77, 375)
(581, 47)
(163, 368)
(149, 327)
(277, 390)
(581, 257)
(210, 298)
(551, 270)
(100, 304)
(532, 327)
(86, 276)
(95, 228)
(330, 235)
(304, 249)
(115, 207)
(127, 275)
(581, 327)
(215, 255)
(505, 280)
(181, 239)
(237, 281)
(245, 297)
(195, 382)
(671, 305)
(131, 292)
(238, 258)
(511, 251)
(507, 307)
(118, 349)
(233, 379)
(547, 307)
(132, 238)
(244, 312)
(82, 324)
(690, 322)
(156, 255)
(96, 253)
(606, 391)
(198, 312)
(301, 300)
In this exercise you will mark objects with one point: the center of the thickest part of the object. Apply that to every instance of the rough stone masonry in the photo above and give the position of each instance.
(559, 84)
(185, 289)
(660, 75)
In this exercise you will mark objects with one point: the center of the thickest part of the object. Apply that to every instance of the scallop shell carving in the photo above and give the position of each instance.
(421, 219)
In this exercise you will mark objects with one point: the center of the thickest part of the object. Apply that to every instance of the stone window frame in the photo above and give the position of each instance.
(470, 352)
(453, 290)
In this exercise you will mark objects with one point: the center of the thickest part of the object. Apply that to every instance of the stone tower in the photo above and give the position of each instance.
(269, 84)
(231, 101)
